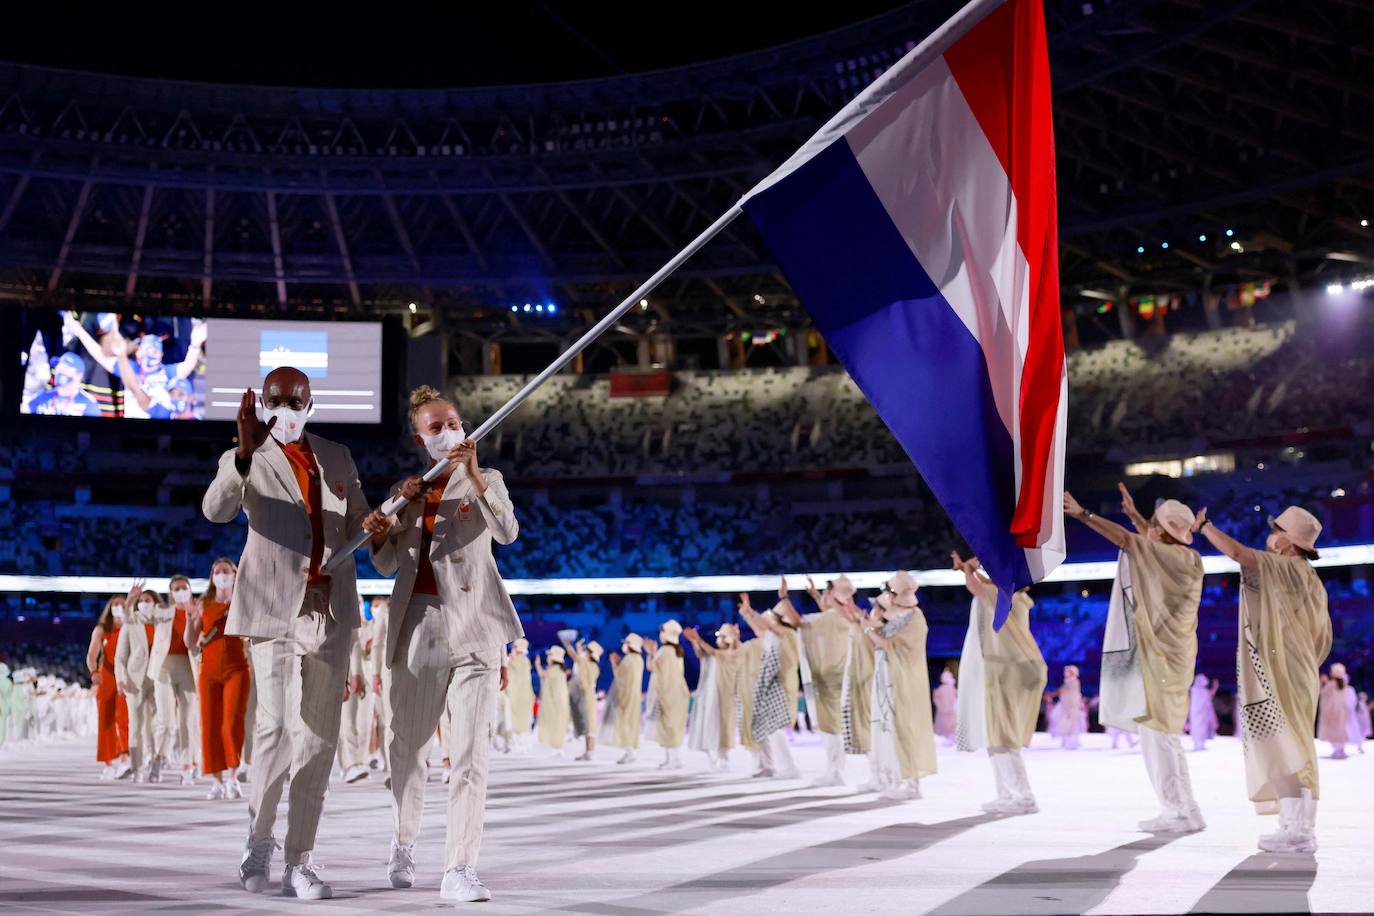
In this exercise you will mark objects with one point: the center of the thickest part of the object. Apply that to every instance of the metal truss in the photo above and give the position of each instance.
(1175, 119)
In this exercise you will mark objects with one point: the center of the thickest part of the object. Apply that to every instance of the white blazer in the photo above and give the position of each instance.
(163, 617)
(477, 609)
(131, 661)
(276, 560)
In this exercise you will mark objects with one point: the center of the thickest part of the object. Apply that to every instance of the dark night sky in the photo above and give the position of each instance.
(399, 44)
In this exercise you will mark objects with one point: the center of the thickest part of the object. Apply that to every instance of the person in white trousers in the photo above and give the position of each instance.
(380, 678)
(303, 500)
(356, 718)
(446, 636)
(132, 652)
(169, 665)
(1149, 649)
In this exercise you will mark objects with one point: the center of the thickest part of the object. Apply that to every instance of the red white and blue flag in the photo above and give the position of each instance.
(919, 230)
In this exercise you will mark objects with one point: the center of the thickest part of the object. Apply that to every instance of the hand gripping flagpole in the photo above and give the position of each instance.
(394, 504)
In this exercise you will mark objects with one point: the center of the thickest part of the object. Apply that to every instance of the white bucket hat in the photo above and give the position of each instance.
(595, 649)
(1177, 519)
(634, 642)
(670, 631)
(903, 586)
(556, 655)
(1300, 525)
(843, 588)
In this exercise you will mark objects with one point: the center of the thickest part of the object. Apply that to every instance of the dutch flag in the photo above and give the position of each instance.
(918, 227)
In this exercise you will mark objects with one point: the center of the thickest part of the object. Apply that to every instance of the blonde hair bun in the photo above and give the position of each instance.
(422, 396)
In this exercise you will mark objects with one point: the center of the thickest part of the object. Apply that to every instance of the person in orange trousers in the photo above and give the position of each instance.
(112, 735)
(224, 681)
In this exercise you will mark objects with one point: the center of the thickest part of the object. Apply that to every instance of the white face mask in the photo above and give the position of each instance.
(440, 445)
(290, 424)
(224, 581)
(118, 612)
(182, 596)
(145, 607)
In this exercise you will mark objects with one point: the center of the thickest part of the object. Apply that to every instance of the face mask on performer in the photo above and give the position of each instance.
(224, 581)
(117, 611)
(145, 607)
(437, 425)
(290, 425)
(181, 595)
(446, 441)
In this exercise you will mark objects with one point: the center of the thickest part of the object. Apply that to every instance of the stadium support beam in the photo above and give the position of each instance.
(278, 265)
(139, 235)
(465, 231)
(6, 214)
(342, 242)
(74, 223)
(208, 255)
(529, 232)
(595, 233)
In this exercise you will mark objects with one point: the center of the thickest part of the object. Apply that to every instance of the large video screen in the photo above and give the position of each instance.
(137, 366)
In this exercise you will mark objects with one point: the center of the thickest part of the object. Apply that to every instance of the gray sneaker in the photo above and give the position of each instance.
(400, 870)
(303, 882)
(255, 864)
(462, 885)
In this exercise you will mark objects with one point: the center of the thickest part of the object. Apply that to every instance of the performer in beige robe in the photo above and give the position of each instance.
(1285, 635)
(903, 733)
(671, 696)
(554, 711)
(746, 677)
(946, 700)
(825, 646)
(1003, 677)
(776, 690)
(521, 692)
(715, 713)
(1150, 648)
(1337, 722)
(624, 705)
(586, 658)
(857, 692)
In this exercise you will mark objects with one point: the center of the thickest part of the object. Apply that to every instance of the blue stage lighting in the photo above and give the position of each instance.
(527, 306)
(552, 308)
(539, 308)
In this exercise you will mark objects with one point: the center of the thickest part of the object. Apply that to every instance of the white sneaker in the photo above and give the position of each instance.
(463, 885)
(155, 771)
(448, 775)
(762, 773)
(793, 773)
(355, 773)
(216, 792)
(232, 789)
(1169, 822)
(826, 780)
(627, 757)
(585, 755)
(139, 777)
(255, 864)
(107, 774)
(124, 771)
(302, 882)
(400, 868)
(188, 778)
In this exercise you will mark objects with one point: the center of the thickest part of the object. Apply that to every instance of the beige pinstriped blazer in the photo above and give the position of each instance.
(477, 609)
(131, 661)
(276, 559)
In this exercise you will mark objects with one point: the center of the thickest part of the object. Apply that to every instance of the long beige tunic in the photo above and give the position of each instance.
(629, 698)
(586, 672)
(860, 696)
(554, 711)
(1285, 637)
(520, 689)
(746, 676)
(825, 638)
(906, 658)
(1167, 579)
(789, 662)
(1332, 715)
(1014, 674)
(670, 685)
(727, 693)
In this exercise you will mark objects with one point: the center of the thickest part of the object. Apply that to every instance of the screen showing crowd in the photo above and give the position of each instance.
(152, 367)
(115, 364)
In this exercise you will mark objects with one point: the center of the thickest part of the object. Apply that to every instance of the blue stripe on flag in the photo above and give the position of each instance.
(902, 342)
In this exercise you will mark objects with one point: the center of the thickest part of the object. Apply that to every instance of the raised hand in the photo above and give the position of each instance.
(252, 431)
(199, 331)
(1071, 506)
(1199, 519)
(1127, 503)
(131, 599)
(782, 586)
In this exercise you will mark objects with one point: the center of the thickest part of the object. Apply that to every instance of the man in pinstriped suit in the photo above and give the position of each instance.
(450, 620)
(303, 500)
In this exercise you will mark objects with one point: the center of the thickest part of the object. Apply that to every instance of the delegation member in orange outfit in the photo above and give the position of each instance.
(223, 683)
(112, 711)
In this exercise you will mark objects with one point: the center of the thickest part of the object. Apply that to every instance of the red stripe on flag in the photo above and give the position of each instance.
(1002, 68)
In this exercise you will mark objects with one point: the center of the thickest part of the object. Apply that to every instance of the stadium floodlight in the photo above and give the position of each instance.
(412, 308)
(553, 309)
(527, 307)
(1364, 222)
(1202, 238)
(1335, 289)
(515, 308)
(1229, 233)
(1163, 244)
(1140, 249)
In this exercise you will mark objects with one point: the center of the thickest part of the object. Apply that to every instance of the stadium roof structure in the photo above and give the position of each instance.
(1176, 121)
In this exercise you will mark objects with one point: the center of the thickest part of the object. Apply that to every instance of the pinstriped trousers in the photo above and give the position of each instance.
(296, 731)
(427, 678)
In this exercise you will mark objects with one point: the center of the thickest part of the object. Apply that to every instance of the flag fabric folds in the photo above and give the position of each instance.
(918, 228)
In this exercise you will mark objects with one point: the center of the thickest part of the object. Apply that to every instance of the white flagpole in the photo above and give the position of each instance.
(392, 505)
